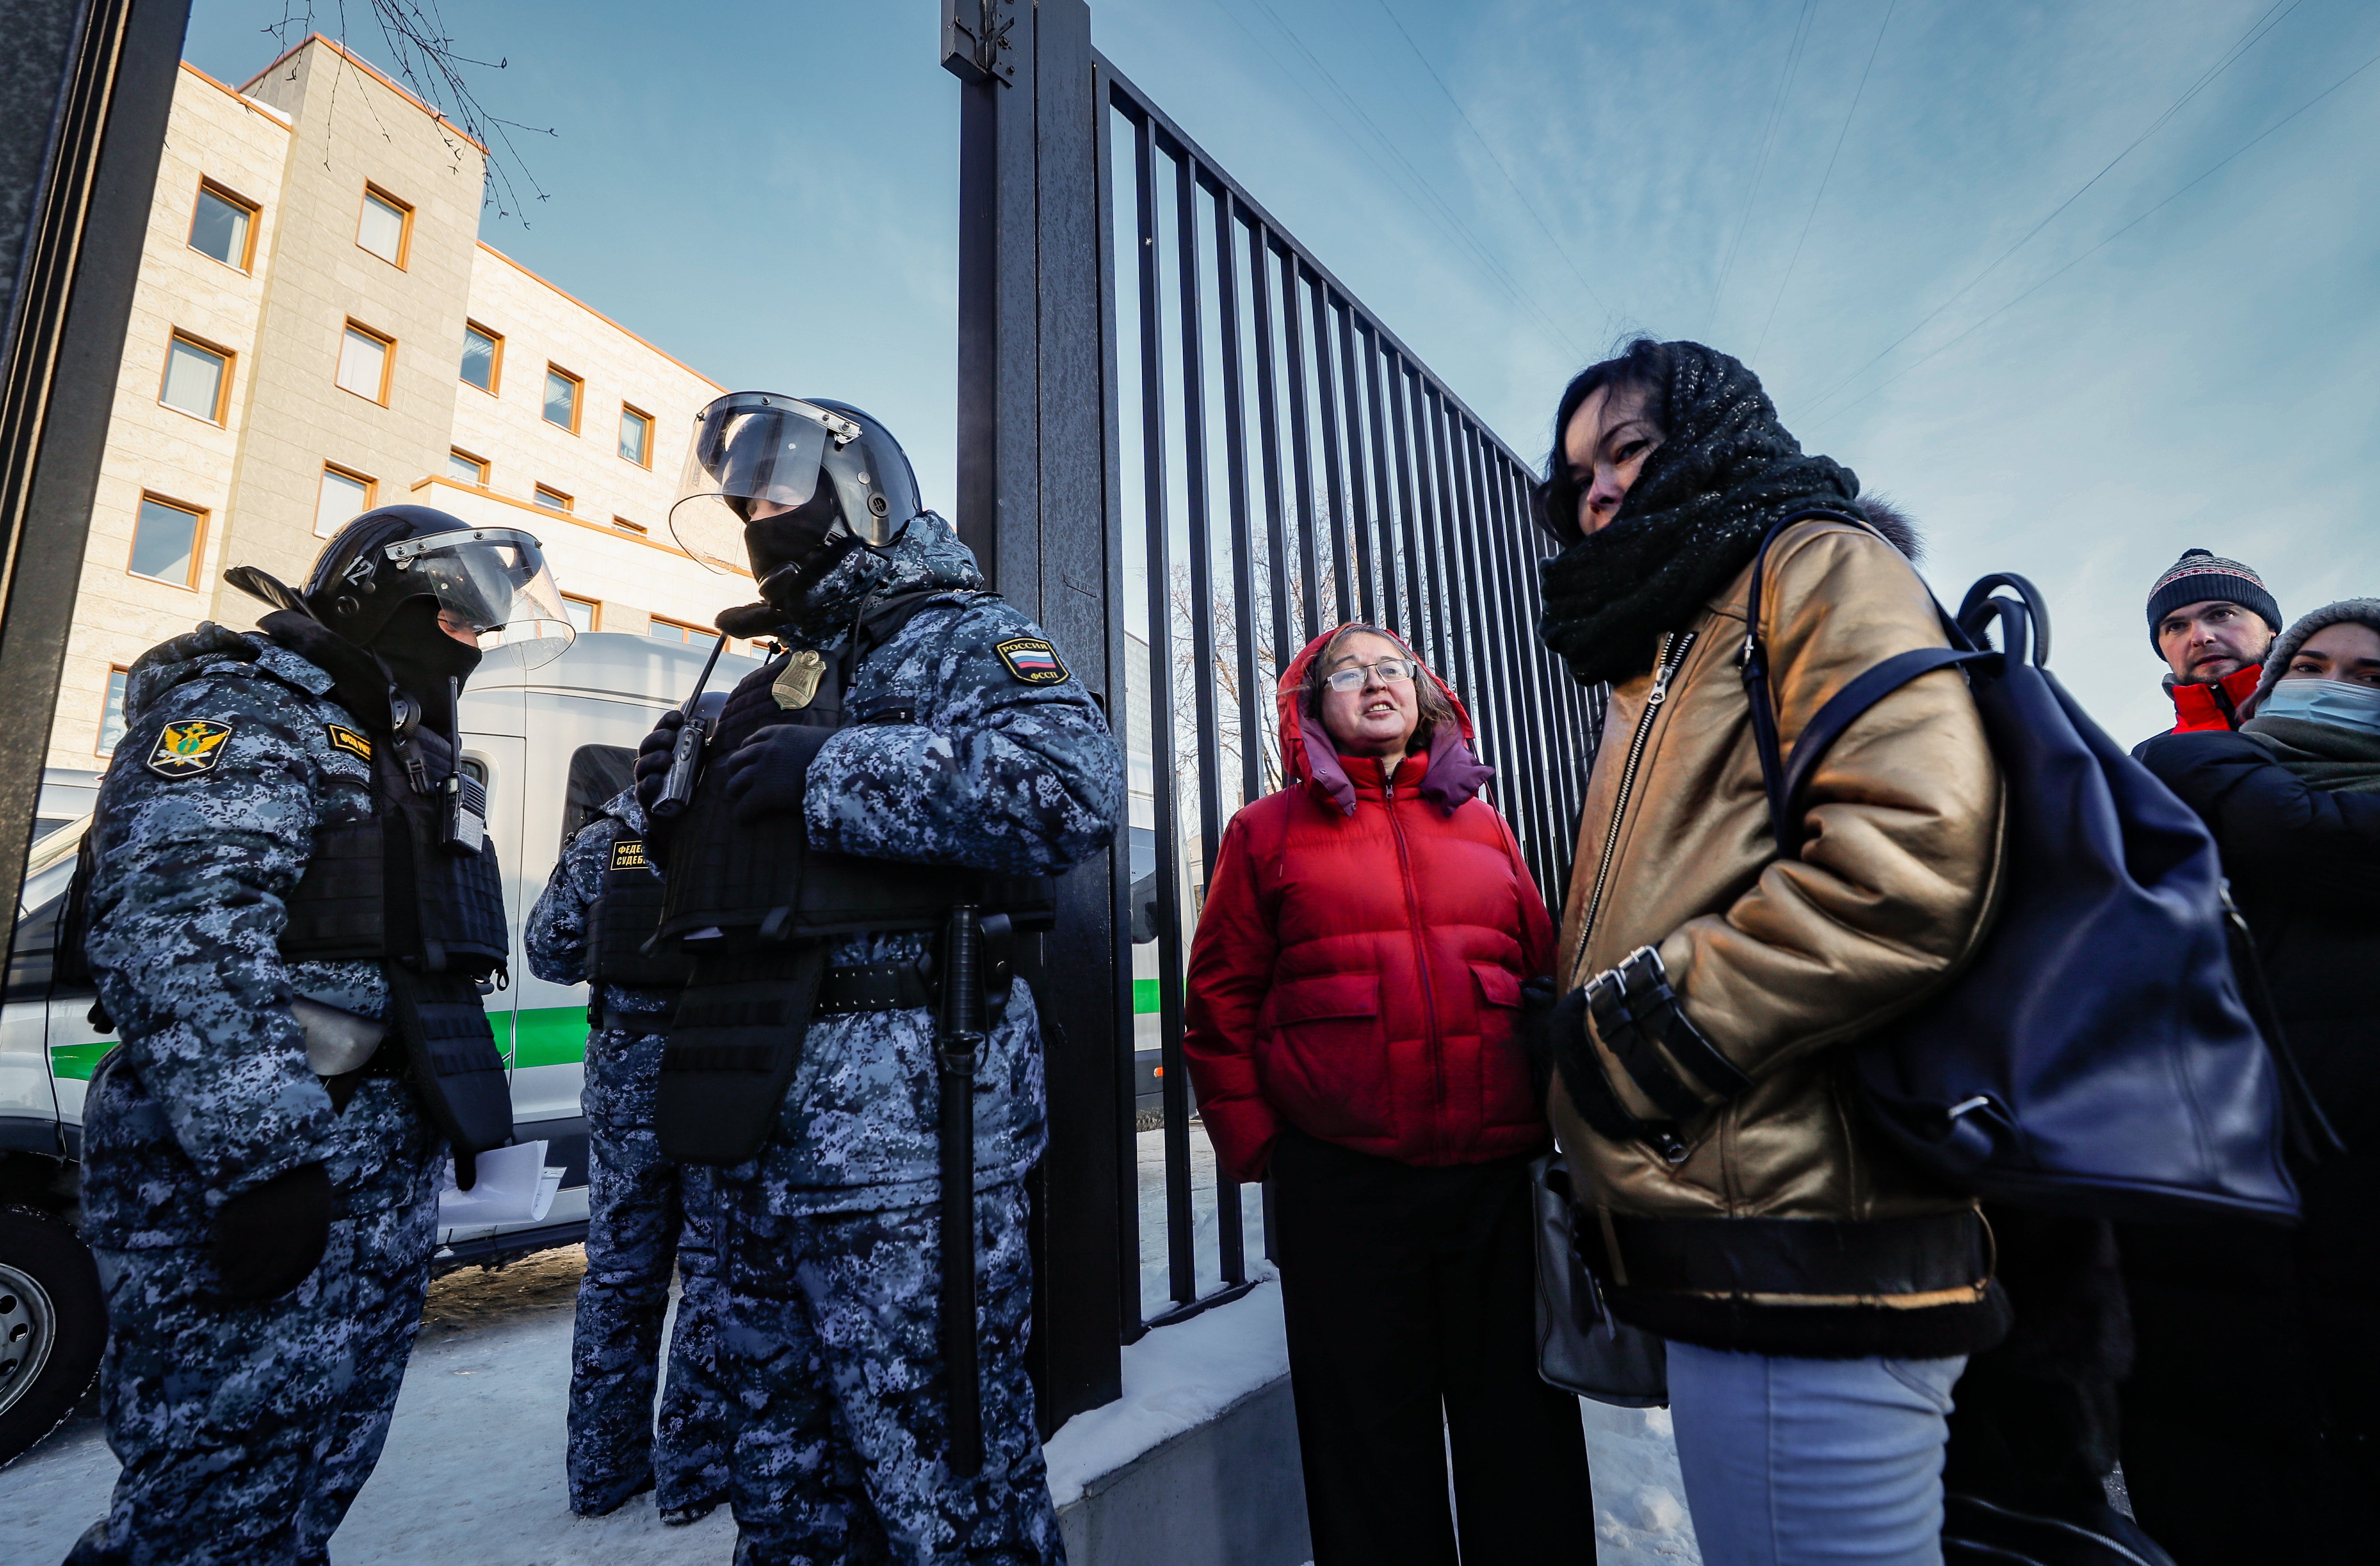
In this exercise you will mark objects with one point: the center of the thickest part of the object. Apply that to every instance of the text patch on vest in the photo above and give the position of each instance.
(1032, 659)
(349, 740)
(628, 853)
(187, 747)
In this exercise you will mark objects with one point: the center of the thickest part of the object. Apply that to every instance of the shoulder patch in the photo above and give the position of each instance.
(1032, 659)
(628, 853)
(347, 739)
(187, 747)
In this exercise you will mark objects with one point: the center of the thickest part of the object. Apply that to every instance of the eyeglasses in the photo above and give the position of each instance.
(1391, 672)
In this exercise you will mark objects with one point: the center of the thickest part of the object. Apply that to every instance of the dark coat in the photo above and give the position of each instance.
(2304, 868)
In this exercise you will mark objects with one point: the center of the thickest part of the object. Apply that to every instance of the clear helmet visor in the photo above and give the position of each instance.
(769, 450)
(492, 582)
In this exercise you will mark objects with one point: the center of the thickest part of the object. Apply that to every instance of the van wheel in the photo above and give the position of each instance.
(52, 1324)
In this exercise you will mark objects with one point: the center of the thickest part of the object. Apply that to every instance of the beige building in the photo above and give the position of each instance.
(317, 329)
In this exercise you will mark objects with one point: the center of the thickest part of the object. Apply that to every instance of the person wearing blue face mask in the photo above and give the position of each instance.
(2254, 1393)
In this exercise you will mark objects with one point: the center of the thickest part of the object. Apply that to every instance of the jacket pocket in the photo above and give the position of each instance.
(1507, 1095)
(1328, 1068)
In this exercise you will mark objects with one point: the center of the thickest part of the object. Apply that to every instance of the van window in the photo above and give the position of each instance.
(597, 773)
(32, 960)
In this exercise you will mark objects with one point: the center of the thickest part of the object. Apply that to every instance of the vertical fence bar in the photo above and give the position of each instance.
(1268, 417)
(1164, 745)
(1301, 458)
(1230, 1238)
(1196, 477)
(1392, 595)
(1326, 397)
(1417, 580)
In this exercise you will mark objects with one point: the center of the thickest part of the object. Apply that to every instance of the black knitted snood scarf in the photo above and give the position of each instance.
(1724, 474)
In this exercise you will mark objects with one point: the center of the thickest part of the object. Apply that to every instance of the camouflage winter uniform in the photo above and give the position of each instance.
(245, 1428)
(828, 1239)
(643, 1213)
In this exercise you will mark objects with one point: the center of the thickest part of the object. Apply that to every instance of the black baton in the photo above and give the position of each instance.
(961, 1042)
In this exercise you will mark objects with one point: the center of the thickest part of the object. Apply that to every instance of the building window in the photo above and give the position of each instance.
(585, 613)
(343, 497)
(628, 526)
(677, 631)
(365, 360)
(166, 540)
(223, 227)
(562, 389)
(551, 498)
(465, 468)
(386, 227)
(197, 379)
(637, 436)
(483, 355)
(111, 711)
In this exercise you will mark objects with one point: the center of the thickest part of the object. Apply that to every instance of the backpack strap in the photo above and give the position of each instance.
(1784, 784)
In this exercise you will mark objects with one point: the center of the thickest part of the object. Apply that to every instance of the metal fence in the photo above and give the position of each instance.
(1286, 464)
(1187, 450)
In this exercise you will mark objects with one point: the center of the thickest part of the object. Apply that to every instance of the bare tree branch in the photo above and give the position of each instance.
(430, 65)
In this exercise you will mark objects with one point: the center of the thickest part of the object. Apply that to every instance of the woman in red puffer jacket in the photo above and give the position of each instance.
(1353, 1033)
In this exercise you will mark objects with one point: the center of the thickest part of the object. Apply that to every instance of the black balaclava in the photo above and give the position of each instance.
(1725, 473)
(422, 658)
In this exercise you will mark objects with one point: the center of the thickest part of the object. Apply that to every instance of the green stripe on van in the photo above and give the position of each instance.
(549, 1036)
(1144, 997)
(75, 1063)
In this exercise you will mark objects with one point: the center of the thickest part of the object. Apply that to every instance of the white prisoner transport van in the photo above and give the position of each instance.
(552, 744)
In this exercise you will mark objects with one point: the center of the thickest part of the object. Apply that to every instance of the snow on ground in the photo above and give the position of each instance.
(473, 1468)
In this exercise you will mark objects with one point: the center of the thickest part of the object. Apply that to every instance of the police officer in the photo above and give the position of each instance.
(290, 905)
(599, 908)
(917, 746)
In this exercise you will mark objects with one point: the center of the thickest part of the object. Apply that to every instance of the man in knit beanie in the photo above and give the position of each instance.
(2211, 620)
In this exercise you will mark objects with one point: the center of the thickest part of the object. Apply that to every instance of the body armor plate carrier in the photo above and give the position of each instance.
(755, 908)
(389, 890)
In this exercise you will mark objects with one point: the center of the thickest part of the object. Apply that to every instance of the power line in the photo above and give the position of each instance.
(1768, 140)
(1856, 95)
(2103, 244)
(1445, 213)
(2230, 56)
(1456, 103)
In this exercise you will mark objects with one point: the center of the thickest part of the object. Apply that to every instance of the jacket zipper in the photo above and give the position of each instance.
(1420, 940)
(1674, 647)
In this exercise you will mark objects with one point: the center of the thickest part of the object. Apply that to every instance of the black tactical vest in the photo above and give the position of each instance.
(390, 890)
(752, 905)
(621, 923)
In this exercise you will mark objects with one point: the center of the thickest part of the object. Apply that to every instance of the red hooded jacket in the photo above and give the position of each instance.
(1358, 964)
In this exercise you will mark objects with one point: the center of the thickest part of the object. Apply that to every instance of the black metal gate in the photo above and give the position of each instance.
(1190, 450)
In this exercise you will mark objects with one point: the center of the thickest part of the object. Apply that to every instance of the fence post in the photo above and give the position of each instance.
(1034, 456)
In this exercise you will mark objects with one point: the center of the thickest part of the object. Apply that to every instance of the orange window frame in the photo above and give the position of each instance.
(404, 231)
(387, 360)
(569, 505)
(247, 263)
(577, 397)
(200, 516)
(222, 389)
(495, 358)
(630, 411)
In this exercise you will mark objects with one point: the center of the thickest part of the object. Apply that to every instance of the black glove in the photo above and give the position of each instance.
(1537, 998)
(769, 772)
(653, 758)
(270, 1240)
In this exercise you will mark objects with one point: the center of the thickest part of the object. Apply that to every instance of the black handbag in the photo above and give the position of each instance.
(2094, 1058)
(1582, 1348)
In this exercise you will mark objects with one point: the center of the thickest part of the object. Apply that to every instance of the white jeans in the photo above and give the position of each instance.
(1812, 1462)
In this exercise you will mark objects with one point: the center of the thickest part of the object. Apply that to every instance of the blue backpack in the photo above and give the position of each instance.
(2094, 1057)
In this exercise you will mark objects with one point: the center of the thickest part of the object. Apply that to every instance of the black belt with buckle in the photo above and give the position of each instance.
(873, 986)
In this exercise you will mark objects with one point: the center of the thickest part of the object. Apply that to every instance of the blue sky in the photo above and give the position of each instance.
(1512, 184)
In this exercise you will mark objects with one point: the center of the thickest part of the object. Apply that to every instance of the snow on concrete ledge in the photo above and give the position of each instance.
(1175, 1379)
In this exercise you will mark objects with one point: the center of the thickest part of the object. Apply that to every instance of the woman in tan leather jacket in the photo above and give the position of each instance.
(1819, 1296)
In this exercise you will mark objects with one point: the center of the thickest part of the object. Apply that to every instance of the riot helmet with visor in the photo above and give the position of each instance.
(482, 580)
(759, 454)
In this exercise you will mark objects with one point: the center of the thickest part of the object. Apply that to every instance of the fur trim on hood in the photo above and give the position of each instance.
(1307, 757)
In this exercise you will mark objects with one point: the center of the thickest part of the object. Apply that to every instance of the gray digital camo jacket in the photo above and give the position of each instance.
(968, 743)
(233, 754)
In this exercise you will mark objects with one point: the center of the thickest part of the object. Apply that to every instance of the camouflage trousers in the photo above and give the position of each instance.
(245, 1429)
(645, 1213)
(832, 1348)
